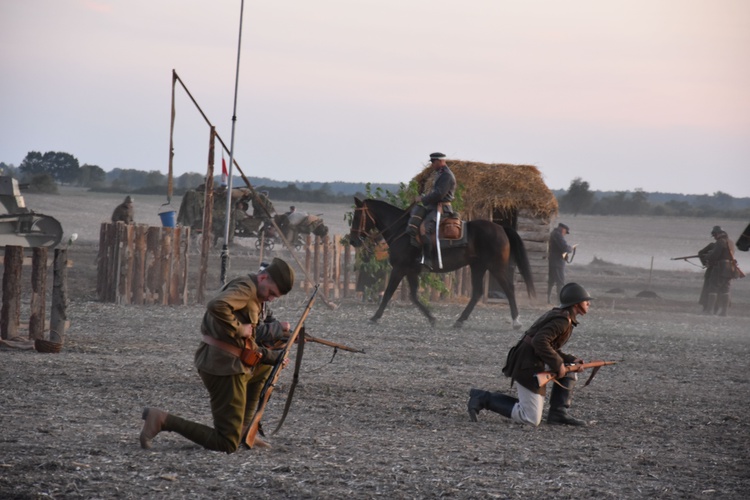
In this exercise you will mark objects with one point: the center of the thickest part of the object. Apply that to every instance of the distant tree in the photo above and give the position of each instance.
(63, 167)
(31, 165)
(578, 199)
(155, 178)
(190, 180)
(91, 176)
(7, 169)
(722, 200)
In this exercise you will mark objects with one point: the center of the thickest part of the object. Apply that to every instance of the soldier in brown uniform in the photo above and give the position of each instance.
(124, 211)
(538, 351)
(719, 262)
(231, 323)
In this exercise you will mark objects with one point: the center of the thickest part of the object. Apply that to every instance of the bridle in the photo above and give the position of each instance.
(363, 234)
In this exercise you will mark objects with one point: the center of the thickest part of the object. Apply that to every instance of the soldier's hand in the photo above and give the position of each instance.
(285, 363)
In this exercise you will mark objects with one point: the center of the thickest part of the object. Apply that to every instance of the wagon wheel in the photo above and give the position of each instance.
(268, 243)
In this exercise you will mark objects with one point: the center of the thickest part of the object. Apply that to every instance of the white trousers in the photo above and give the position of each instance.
(529, 408)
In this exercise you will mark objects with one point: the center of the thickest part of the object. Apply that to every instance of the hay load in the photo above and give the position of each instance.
(510, 195)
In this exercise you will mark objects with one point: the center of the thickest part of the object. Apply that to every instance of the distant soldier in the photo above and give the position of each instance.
(557, 257)
(719, 273)
(124, 211)
(262, 206)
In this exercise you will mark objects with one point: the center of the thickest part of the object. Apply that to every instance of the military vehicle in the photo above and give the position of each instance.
(20, 226)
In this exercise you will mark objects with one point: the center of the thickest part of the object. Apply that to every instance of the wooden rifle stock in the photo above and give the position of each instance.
(543, 378)
(265, 394)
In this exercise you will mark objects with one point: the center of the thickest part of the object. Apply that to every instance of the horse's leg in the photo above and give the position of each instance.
(395, 278)
(510, 292)
(413, 278)
(477, 280)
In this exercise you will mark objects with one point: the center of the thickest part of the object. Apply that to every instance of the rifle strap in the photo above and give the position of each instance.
(295, 379)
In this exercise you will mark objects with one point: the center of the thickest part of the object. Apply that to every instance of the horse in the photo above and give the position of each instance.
(307, 224)
(490, 248)
(743, 242)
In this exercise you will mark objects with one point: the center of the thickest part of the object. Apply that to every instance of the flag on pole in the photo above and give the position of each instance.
(224, 173)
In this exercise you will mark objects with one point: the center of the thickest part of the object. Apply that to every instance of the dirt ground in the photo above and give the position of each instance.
(669, 421)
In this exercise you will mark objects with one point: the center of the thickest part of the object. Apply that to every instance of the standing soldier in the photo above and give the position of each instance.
(231, 361)
(124, 211)
(720, 270)
(557, 258)
(441, 196)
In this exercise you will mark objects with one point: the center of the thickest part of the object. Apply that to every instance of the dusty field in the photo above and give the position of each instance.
(668, 422)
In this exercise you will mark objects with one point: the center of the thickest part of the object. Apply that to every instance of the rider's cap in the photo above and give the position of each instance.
(436, 156)
(281, 274)
(716, 230)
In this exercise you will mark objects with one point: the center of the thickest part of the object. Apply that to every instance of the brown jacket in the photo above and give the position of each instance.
(236, 304)
(540, 348)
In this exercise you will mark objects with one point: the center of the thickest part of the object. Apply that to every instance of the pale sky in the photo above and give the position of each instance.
(625, 94)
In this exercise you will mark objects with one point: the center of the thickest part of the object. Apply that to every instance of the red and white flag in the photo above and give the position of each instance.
(224, 173)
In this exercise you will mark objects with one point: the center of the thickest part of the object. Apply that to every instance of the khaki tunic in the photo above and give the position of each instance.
(236, 304)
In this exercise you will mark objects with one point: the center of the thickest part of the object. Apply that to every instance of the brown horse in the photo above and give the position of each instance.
(490, 248)
(743, 242)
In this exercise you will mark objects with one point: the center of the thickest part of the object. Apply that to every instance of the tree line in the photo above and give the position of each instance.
(43, 172)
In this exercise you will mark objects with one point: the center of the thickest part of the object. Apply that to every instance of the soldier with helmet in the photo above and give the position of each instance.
(537, 351)
(718, 257)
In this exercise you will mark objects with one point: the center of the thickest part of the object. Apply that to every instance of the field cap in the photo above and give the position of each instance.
(436, 156)
(717, 230)
(281, 274)
(563, 226)
(128, 199)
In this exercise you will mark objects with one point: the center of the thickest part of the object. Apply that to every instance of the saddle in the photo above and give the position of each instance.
(452, 231)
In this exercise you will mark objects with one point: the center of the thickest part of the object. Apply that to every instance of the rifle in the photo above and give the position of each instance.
(543, 378)
(265, 394)
(686, 257)
(329, 343)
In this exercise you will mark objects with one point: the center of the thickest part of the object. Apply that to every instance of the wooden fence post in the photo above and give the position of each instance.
(347, 264)
(10, 317)
(38, 292)
(59, 314)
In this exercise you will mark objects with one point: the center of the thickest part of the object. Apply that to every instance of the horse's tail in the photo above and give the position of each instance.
(518, 251)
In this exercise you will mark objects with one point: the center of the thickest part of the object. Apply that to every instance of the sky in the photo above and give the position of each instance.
(624, 94)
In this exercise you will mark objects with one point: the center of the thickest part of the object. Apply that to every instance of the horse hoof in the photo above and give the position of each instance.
(374, 320)
(432, 321)
(458, 324)
(517, 325)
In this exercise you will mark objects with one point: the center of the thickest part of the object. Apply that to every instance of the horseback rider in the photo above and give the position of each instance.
(426, 206)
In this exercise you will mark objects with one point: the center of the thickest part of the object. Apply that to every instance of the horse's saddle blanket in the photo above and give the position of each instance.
(460, 242)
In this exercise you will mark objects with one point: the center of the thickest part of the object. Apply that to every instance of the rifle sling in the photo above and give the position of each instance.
(295, 379)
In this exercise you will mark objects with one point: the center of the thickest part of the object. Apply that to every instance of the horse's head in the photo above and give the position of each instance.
(362, 223)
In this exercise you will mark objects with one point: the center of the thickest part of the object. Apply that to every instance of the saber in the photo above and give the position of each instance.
(437, 238)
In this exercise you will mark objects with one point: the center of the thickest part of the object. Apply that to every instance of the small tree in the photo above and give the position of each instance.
(91, 176)
(578, 199)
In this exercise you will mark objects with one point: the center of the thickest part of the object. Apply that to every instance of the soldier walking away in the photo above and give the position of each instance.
(231, 360)
(124, 211)
(537, 349)
(425, 209)
(557, 256)
(718, 257)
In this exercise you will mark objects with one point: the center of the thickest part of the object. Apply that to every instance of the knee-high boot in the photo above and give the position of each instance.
(560, 400)
(427, 251)
(493, 401)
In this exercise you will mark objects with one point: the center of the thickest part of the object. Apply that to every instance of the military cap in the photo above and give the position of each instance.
(436, 156)
(717, 230)
(128, 199)
(281, 274)
(563, 226)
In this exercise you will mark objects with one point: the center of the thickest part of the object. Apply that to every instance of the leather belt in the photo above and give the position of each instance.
(224, 346)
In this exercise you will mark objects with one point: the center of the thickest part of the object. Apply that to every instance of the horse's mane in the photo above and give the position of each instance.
(385, 205)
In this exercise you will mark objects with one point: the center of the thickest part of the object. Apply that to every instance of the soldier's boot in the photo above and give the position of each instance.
(560, 400)
(722, 302)
(427, 252)
(710, 303)
(154, 422)
(493, 401)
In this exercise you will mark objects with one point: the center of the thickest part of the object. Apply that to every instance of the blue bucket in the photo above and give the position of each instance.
(168, 218)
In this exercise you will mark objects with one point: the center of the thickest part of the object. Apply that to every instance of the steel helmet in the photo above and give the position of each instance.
(572, 294)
